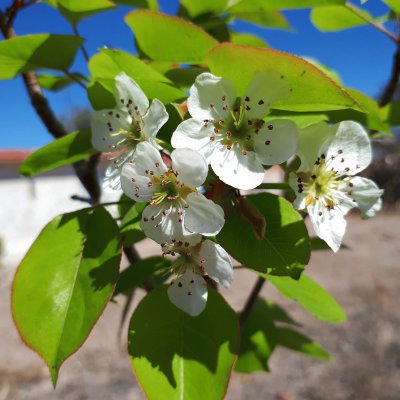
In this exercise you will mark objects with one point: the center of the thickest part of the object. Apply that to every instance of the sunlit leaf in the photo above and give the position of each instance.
(40, 51)
(170, 38)
(247, 39)
(176, 356)
(312, 90)
(285, 248)
(196, 7)
(64, 282)
(64, 151)
(57, 82)
(310, 295)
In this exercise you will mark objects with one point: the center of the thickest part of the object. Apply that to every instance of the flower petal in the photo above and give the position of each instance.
(134, 185)
(349, 152)
(276, 141)
(367, 195)
(311, 144)
(191, 166)
(265, 88)
(211, 97)
(162, 224)
(299, 202)
(217, 263)
(154, 119)
(112, 179)
(203, 215)
(193, 135)
(130, 96)
(237, 170)
(329, 225)
(105, 125)
(189, 293)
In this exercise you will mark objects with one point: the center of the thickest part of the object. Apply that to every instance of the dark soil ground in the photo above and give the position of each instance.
(364, 279)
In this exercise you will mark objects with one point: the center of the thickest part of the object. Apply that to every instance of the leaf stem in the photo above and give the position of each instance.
(251, 300)
(376, 25)
(82, 47)
(75, 79)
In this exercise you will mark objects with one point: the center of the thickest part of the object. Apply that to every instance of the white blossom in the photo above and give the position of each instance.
(325, 184)
(177, 212)
(189, 289)
(231, 133)
(132, 121)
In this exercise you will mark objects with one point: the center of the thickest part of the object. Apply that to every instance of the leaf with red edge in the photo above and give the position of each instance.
(64, 283)
(312, 90)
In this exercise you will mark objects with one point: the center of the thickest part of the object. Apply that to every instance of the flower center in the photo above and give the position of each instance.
(170, 188)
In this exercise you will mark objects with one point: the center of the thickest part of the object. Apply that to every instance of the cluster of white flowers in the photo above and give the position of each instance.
(230, 134)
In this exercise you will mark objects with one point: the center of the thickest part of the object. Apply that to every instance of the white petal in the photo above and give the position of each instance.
(154, 119)
(191, 166)
(136, 186)
(329, 225)
(166, 228)
(367, 195)
(189, 293)
(209, 95)
(311, 144)
(130, 96)
(265, 88)
(112, 179)
(147, 158)
(193, 135)
(276, 141)
(203, 215)
(349, 152)
(105, 124)
(237, 170)
(217, 262)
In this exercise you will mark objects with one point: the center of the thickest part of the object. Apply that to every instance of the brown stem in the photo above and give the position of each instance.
(85, 170)
(393, 82)
(251, 300)
(83, 49)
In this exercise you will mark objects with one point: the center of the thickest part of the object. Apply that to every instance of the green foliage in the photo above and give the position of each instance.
(40, 51)
(268, 5)
(176, 356)
(64, 282)
(284, 250)
(263, 333)
(258, 15)
(130, 227)
(149, 4)
(393, 4)
(105, 65)
(196, 8)
(310, 295)
(161, 41)
(136, 274)
(336, 18)
(391, 113)
(64, 151)
(246, 39)
(57, 82)
(311, 89)
(76, 10)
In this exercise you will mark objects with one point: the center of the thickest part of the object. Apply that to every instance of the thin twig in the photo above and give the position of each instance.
(393, 82)
(75, 79)
(82, 47)
(375, 24)
(244, 315)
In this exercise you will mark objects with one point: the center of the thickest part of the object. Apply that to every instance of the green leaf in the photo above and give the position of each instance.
(300, 119)
(246, 39)
(64, 151)
(76, 10)
(131, 229)
(170, 38)
(312, 89)
(136, 274)
(269, 5)
(310, 295)
(261, 336)
(285, 248)
(41, 51)
(105, 65)
(393, 4)
(268, 19)
(336, 18)
(391, 113)
(64, 283)
(57, 82)
(176, 356)
(149, 4)
(319, 244)
(184, 77)
(196, 7)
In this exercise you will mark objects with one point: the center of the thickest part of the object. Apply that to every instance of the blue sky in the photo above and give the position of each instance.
(361, 55)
